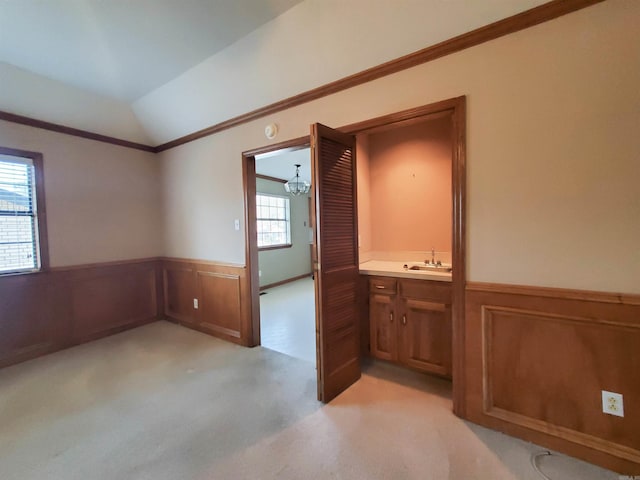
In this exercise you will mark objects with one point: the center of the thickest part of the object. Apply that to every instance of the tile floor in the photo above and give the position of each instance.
(288, 319)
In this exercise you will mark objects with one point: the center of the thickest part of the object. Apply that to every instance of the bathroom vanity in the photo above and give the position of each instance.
(409, 317)
(405, 211)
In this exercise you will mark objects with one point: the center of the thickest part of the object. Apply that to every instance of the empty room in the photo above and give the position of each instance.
(363, 239)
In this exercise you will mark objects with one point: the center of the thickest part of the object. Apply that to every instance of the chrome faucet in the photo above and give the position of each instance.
(433, 257)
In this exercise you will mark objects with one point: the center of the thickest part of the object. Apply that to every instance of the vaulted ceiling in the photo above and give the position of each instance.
(120, 48)
(154, 70)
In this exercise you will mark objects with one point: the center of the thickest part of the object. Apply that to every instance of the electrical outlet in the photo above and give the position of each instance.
(236, 224)
(612, 403)
(195, 303)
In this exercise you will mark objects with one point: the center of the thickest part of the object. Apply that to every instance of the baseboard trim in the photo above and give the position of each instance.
(283, 282)
(212, 332)
(31, 353)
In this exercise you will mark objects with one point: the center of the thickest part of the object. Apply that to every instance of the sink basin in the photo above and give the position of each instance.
(430, 268)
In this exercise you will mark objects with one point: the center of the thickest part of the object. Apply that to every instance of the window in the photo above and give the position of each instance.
(274, 221)
(22, 224)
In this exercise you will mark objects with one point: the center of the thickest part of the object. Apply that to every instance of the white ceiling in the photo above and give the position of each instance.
(283, 165)
(124, 48)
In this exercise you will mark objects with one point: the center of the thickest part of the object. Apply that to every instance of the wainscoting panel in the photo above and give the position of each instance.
(179, 289)
(222, 294)
(110, 300)
(220, 303)
(34, 317)
(48, 311)
(538, 359)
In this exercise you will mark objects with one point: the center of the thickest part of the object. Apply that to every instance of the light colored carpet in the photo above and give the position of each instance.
(163, 402)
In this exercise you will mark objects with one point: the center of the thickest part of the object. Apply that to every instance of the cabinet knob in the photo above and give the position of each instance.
(391, 317)
(404, 319)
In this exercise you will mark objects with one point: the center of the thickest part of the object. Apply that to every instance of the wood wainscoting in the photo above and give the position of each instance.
(222, 294)
(537, 361)
(47, 311)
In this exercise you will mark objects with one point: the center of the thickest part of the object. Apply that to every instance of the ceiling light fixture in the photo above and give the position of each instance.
(297, 186)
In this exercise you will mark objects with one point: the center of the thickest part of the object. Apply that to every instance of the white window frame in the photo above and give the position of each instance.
(273, 220)
(36, 212)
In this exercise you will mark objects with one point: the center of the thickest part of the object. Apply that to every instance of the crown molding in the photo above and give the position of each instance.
(76, 132)
(515, 23)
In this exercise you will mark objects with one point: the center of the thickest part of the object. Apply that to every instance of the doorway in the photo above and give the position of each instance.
(284, 239)
(332, 354)
(252, 250)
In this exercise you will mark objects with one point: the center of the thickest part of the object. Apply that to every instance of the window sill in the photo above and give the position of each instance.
(21, 272)
(274, 247)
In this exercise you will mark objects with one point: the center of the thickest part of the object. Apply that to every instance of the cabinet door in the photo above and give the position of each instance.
(425, 336)
(383, 326)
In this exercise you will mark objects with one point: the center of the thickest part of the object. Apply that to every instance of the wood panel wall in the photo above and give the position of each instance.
(222, 292)
(537, 360)
(48, 311)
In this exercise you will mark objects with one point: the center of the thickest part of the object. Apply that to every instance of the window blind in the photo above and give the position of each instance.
(18, 225)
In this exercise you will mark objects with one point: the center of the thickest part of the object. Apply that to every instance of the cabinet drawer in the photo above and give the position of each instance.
(383, 285)
(427, 290)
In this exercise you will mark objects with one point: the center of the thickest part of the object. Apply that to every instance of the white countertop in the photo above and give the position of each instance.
(395, 269)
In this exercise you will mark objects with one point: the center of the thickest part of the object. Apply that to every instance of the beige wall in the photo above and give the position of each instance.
(103, 202)
(285, 263)
(410, 188)
(552, 151)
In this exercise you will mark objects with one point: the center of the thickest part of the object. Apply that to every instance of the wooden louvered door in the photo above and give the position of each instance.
(336, 263)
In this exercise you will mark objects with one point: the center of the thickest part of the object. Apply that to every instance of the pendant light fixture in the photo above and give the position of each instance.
(297, 186)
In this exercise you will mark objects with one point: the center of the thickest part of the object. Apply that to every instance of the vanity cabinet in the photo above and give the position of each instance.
(410, 323)
(382, 318)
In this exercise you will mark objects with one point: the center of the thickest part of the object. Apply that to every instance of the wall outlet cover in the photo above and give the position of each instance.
(612, 403)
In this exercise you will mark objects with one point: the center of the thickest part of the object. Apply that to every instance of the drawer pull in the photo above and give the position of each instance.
(381, 287)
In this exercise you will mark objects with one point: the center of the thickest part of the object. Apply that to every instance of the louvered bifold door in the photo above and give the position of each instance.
(336, 265)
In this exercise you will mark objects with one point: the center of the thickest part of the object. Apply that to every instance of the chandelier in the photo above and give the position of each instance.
(297, 186)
